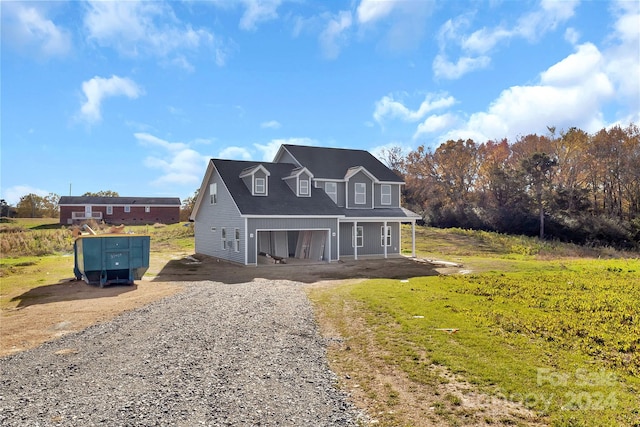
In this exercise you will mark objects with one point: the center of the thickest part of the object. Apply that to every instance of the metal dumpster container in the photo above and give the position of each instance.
(110, 259)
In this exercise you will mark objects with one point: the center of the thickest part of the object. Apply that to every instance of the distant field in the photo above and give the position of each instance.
(538, 324)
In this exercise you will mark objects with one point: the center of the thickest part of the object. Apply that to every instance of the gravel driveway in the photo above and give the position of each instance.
(218, 355)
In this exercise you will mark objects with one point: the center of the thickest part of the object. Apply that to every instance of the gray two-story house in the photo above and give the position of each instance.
(310, 203)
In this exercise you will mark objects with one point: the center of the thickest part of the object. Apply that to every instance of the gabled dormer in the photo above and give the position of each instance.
(256, 178)
(299, 181)
(359, 186)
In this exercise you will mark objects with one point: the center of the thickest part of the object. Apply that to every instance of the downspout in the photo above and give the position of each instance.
(246, 243)
(384, 238)
(413, 238)
(355, 240)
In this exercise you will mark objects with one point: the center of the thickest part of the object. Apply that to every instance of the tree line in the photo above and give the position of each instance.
(572, 185)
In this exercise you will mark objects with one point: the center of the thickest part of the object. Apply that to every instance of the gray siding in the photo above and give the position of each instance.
(223, 214)
(371, 239)
(340, 186)
(287, 158)
(254, 224)
(360, 177)
(395, 196)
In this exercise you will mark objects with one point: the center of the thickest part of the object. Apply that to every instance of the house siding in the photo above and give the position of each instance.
(371, 238)
(359, 177)
(136, 216)
(224, 214)
(285, 157)
(274, 224)
(395, 196)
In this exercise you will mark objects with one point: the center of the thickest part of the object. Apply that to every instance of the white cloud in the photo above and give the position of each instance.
(435, 123)
(179, 164)
(333, 37)
(235, 153)
(257, 11)
(476, 46)
(574, 68)
(26, 28)
(99, 88)
(622, 57)
(444, 68)
(572, 35)
(570, 93)
(403, 22)
(13, 194)
(270, 149)
(551, 13)
(144, 28)
(271, 124)
(388, 107)
(374, 10)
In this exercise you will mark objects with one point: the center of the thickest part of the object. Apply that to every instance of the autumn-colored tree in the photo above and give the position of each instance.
(187, 206)
(393, 157)
(35, 206)
(571, 174)
(103, 193)
(538, 169)
(455, 164)
(577, 186)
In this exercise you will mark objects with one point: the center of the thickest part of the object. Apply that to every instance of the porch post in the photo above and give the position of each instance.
(413, 238)
(384, 238)
(355, 240)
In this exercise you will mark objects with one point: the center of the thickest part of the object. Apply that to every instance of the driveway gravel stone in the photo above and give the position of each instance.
(214, 354)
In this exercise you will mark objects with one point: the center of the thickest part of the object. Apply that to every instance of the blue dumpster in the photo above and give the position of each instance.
(110, 259)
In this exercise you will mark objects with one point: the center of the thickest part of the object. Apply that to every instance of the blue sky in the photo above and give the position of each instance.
(135, 97)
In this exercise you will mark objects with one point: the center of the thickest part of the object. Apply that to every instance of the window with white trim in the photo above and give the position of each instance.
(213, 193)
(236, 242)
(127, 209)
(331, 188)
(386, 237)
(260, 187)
(147, 209)
(223, 237)
(109, 210)
(359, 237)
(385, 194)
(304, 187)
(360, 193)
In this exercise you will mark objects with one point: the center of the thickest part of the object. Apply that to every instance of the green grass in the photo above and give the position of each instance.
(39, 251)
(538, 323)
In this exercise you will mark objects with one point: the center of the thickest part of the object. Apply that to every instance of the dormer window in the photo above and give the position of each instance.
(304, 187)
(361, 193)
(256, 178)
(299, 181)
(260, 186)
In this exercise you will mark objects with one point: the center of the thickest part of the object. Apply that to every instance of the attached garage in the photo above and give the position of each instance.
(308, 245)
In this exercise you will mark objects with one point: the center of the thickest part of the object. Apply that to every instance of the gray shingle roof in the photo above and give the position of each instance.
(380, 213)
(281, 200)
(145, 201)
(333, 163)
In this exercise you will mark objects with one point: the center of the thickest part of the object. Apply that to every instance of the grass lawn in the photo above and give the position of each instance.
(536, 324)
(39, 251)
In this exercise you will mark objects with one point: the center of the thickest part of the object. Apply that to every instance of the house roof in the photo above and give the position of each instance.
(333, 163)
(143, 201)
(280, 199)
(381, 213)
